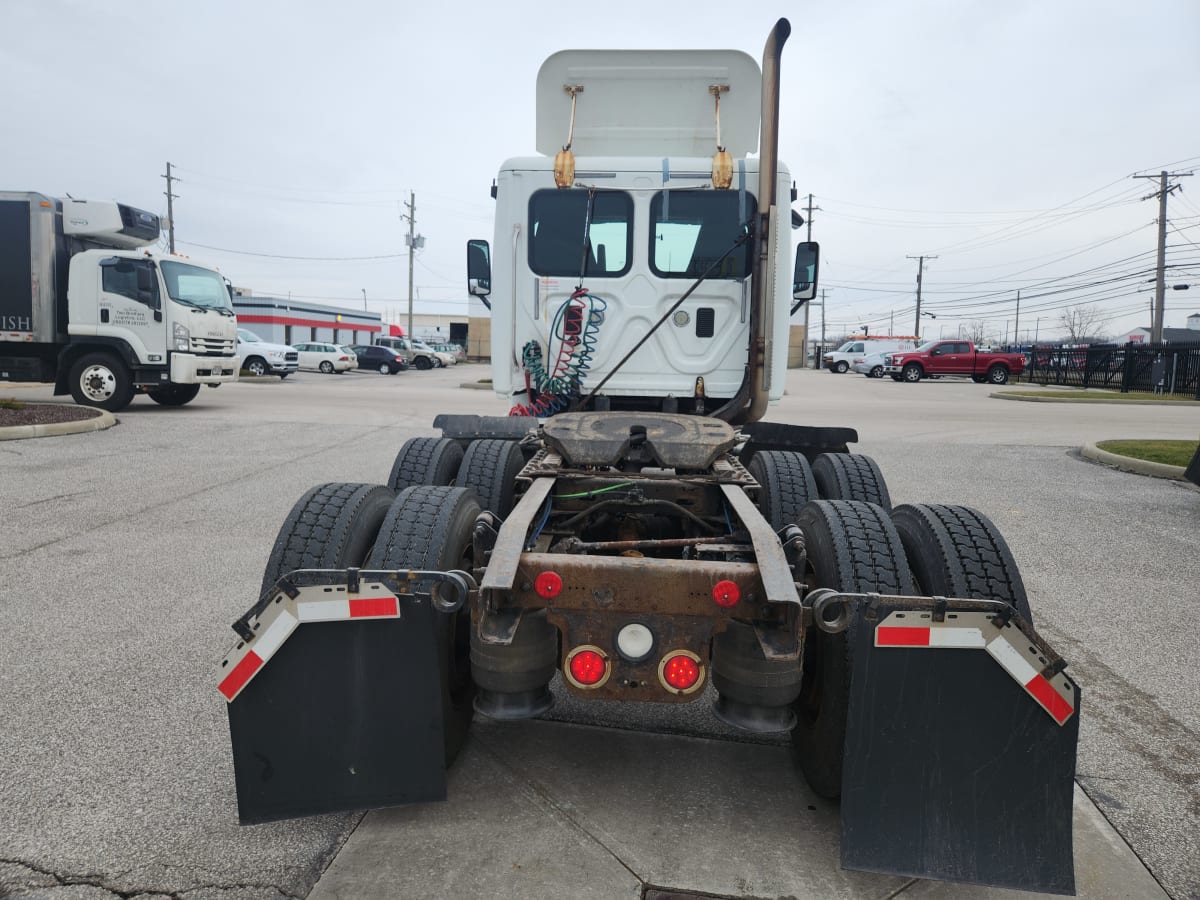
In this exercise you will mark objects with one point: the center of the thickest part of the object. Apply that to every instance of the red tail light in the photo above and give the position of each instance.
(726, 594)
(587, 667)
(548, 585)
(680, 672)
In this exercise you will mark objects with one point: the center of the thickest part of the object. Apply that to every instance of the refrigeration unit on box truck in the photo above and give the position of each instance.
(82, 306)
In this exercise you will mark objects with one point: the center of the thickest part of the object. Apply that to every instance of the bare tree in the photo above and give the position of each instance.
(976, 331)
(1082, 323)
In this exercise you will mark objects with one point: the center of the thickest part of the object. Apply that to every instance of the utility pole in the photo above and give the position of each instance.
(822, 322)
(920, 268)
(1164, 190)
(171, 196)
(414, 242)
(808, 223)
(1017, 323)
(364, 290)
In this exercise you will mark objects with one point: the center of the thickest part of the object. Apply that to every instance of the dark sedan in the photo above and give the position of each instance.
(383, 360)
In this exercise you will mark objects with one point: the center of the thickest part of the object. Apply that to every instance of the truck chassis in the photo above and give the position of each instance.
(641, 557)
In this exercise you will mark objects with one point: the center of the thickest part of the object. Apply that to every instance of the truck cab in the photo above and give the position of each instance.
(631, 278)
(101, 318)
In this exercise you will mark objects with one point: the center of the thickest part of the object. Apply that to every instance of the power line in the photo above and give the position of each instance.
(312, 258)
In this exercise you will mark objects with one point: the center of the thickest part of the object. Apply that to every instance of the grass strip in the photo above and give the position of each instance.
(1172, 453)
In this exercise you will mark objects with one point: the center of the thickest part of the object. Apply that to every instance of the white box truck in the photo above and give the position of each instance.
(82, 306)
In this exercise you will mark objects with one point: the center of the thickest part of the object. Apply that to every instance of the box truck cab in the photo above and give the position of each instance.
(81, 306)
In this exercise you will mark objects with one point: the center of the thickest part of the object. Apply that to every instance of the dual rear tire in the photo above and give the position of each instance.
(426, 527)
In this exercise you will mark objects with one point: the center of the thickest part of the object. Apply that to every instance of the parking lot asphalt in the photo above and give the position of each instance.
(126, 553)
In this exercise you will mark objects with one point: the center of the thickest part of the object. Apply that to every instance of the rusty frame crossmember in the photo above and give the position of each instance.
(600, 594)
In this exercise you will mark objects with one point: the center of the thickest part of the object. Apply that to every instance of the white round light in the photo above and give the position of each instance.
(635, 641)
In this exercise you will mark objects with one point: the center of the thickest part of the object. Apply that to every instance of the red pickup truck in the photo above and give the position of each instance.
(937, 358)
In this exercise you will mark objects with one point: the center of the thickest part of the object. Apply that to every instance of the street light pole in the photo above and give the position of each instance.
(364, 290)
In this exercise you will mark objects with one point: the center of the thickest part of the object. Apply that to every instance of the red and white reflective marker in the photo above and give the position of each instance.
(976, 631)
(313, 604)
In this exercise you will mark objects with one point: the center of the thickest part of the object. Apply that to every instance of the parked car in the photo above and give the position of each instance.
(455, 350)
(871, 365)
(327, 358)
(351, 353)
(443, 359)
(415, 353)
(383, 360)
(841, 359)
(259, 357)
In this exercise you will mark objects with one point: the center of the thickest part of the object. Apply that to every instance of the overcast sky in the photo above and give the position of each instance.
(999, 137)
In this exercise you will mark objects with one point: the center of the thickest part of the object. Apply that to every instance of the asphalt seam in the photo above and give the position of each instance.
(482, 743)
(97, 881)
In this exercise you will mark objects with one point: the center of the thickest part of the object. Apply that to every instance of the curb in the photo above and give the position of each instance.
(54, 429)
(1008, 395)
(475, 386)
(1129, 464)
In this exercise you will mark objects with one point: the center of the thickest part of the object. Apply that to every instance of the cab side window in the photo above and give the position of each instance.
(130, 278)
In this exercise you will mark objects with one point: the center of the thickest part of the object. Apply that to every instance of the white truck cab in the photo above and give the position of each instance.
(82, 306)
(631, 275)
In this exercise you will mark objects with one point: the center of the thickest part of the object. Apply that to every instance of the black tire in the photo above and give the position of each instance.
(841, 366)
(426, 460)
(326, 367)
(997, 375)
(175, 394)
(786, 484)
(853, 547)
(490, 468)
(283, 375)
(430, 527)
(257, 366)
(422, 363)
(912, 373)
(102, 381)
(385, 369)
(331, 527)
(850, 476)
(979, 379)
(895, 378)
(876, 372)
(956, 551)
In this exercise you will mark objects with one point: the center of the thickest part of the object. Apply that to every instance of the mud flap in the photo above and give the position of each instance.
(335, 705)
(960, 749)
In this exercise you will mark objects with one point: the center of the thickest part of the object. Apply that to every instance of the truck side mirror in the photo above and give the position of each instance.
(804, 280)
(479, 270)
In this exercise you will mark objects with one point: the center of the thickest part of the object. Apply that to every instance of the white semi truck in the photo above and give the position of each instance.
(635, 531)
(83, 307)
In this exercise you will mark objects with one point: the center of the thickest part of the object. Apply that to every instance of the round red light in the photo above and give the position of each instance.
(588, 667)
(681, 672)
(726, 593)
(548, 585)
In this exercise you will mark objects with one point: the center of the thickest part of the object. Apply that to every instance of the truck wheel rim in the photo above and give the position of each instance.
(98, 383)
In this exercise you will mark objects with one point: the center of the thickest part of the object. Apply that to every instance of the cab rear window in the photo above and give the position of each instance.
(558, 223)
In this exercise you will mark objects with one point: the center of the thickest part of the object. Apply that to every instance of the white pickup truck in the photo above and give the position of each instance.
(259, 357)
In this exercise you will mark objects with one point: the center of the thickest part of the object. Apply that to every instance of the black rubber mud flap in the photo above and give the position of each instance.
(343, 715)
(960, 753)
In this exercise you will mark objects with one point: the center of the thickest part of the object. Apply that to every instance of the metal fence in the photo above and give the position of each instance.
(1154, 368)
